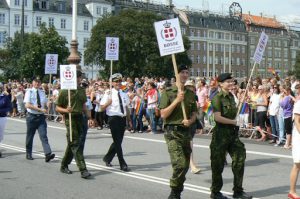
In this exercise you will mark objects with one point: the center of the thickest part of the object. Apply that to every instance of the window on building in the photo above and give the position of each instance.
(285, 44)
(210, 60)
(61, 6)
(198, 72)
(183, 31)
(98, 10)
(192, 46)
(285, 53)
(198, 59)
(210, 47)
(204, 46)
(198, 33)
(104, 10)
(204, 33)
(238, 61)
(216, 59)
(243, 49)
(221, 61)
(2, 18)
(227, 36)
(17, 2)
(238, 49)
(204, 72)
(210, 73)
(44, 5)
(25, 20)
(63, 23)
(86, 25)
(192, 32)
(293, 54)
(17, 20)
(204, 59)
(243, 62)
(192, 58)
(25, 3)
(211, 34)
(252, 40)
(270, 53)
(38, 21)
(85, 42)
(2, 37)
(296, 43)
(51, 22)
(198, 46)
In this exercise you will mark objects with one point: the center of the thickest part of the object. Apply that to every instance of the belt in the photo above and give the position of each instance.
(36, 115)
(117, 116)
(224, 125)
(176, 128)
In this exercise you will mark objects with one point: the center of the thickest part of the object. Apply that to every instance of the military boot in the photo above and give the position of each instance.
(241, 195)
(175, 194)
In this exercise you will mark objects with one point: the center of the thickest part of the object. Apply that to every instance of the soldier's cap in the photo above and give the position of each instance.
(224, 76)
(189, 83)
(182, 67)
(116, 77)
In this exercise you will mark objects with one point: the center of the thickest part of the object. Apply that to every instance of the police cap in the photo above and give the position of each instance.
(224, 76)
(116, 77)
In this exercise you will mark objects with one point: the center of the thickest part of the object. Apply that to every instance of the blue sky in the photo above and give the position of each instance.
(286, 9)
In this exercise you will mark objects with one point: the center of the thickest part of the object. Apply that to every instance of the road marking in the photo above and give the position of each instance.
(148, 178)
(162, 141)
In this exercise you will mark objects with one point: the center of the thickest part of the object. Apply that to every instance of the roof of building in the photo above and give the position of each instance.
(3, 4)
(63, 7)
(214, 21)
(262, 21)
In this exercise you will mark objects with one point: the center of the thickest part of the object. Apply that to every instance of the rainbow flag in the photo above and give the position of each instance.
(207, 108)
(138, 107)
(124, 88)
(245, 108)
(273, 71)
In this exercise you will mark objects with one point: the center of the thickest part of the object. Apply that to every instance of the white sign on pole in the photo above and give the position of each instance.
(260, 49)
(51, 63)
(68, 77)
(112, 48)
(169, 36)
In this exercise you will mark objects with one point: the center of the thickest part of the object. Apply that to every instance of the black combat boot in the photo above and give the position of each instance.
(175, 194)
(241, 195)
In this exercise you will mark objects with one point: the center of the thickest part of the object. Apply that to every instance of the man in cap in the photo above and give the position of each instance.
(225, 139)
(177, 129)
(36, 104)
(77, 108)
(116, 105)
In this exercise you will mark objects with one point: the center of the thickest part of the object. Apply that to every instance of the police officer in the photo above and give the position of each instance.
(177, 129)
(36, 104)
(77, 108)
(116, 106)
(225, 139)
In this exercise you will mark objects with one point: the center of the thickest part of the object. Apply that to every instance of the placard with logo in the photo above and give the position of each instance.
(112, 48)
(169, 37)
(260, 49)
(51, 63)
(68, 77)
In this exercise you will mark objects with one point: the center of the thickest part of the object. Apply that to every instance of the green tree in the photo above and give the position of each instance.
(297, 66)
(138, 50)
(28, 60)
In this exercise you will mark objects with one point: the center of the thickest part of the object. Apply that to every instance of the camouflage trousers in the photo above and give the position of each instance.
(180, 151)
(74, 148)
(226, 140)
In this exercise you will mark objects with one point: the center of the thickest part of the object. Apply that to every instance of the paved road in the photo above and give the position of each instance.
(266, 174)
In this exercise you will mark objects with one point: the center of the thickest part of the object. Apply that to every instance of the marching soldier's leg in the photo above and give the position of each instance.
(237, 152)
(217, 158)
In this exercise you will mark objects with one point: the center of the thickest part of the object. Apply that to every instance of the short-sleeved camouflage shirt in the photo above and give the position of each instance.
(78, 99)
(224, 102)
(176, 116)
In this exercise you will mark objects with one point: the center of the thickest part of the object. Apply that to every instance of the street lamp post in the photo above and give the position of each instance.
(74, 57)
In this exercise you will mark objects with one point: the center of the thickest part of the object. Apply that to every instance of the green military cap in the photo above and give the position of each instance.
(224, 76)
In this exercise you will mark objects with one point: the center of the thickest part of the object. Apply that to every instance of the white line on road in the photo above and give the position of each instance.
(148, 178)
(162, 141)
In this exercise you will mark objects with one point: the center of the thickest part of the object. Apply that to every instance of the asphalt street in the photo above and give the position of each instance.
(266, 173)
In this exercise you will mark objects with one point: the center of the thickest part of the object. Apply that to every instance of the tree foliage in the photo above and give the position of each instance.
(138, 50)
(297, 66)
(28, 60)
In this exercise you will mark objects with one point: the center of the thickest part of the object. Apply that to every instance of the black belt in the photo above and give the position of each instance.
(36, 115)
(117, 116)
(176, 128)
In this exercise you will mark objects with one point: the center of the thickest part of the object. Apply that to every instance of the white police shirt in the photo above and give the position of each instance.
(31, 97)
(114, 109)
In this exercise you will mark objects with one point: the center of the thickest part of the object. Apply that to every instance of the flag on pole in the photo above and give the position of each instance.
(273, 71)
(245, 108)
(207, 108)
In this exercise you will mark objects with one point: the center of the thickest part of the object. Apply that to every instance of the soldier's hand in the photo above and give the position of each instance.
(180, 97)
(186, 123)
(69, 109)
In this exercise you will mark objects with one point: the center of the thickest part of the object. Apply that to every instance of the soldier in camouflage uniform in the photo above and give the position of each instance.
(225, 139)
(177, 134)
(74, 148)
